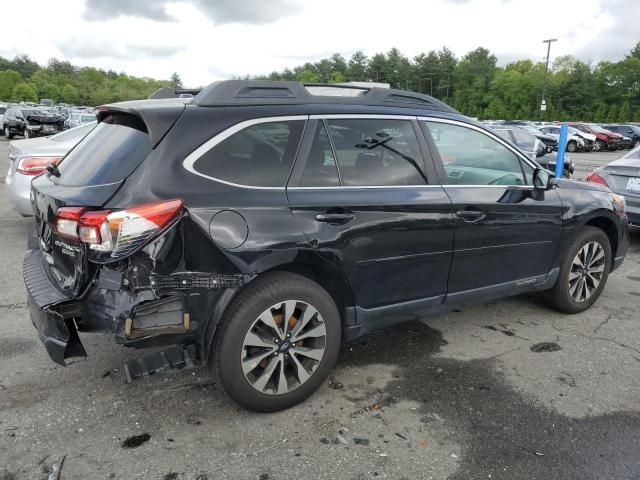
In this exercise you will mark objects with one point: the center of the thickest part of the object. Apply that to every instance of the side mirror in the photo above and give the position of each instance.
(543, 179)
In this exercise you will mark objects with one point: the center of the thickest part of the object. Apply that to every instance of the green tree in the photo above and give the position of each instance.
(24, 92)
(613, 114)
(175, 80)
(472, 78)
(308, 76)
(357, 67)
(624, 115)
(8, 80)
(51, 91)
(69, 94)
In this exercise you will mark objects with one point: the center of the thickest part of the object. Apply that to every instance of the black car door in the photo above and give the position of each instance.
(506, 232)
(361, 196)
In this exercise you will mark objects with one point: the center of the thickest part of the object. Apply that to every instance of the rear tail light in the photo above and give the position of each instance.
(116, 232)
(593, 177)
(35, 165)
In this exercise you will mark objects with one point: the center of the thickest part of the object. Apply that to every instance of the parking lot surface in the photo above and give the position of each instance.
(504, 390)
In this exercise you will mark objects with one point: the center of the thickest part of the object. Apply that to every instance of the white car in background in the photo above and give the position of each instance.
(577, 141)
(3, 108)
(30, 158)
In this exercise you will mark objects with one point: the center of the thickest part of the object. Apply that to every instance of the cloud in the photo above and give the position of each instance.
(254, 12)
(100, 10)
(74, 48)
(257, 12)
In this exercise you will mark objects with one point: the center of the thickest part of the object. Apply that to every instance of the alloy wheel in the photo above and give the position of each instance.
(586, 271)
(283, 347)
(597, 146)
(6, 132)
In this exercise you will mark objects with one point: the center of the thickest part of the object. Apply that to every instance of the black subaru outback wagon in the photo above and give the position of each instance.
(260, 224)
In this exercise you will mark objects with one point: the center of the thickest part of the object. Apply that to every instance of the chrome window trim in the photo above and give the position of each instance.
(481, 130)
(194, 156)
(351, 116)
(367, 187)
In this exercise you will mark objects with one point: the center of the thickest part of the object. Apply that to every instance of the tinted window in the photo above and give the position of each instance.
(260, 155)
(320, 169)
(376, 151)
(108, 154)
(2, 110)
(473, 158)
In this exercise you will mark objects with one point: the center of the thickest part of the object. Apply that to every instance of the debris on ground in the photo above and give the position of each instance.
(135, 440)
(56, 468)
(335, 385)
(506, 331)
(361, 441)
(401, 436)
(341, 439)
(539, 454)
(545, 347)
(171, 476)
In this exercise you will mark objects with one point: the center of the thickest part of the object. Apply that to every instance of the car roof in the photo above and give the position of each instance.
(265, 92)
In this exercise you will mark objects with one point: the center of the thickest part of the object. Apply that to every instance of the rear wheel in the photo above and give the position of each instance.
(583, 272)
(277, 343)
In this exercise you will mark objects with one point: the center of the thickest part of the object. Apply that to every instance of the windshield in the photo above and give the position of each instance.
(598, 128)
(108, 154)
(77, 132)
(530, 129)
(35, 112)
(87, 118)
(573, 130)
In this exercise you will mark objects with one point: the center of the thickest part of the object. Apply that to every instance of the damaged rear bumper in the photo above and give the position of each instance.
(59, 336)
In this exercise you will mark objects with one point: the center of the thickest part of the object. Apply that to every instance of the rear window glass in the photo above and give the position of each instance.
(77, 132)
(108, 154)
(260, 155)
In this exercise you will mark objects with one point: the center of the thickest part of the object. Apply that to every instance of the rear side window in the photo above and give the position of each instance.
(320, 169)
(108, 154)
(376, 152)
(260, 155)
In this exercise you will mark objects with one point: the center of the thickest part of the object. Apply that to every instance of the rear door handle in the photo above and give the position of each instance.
(471, 216)
(337, 218)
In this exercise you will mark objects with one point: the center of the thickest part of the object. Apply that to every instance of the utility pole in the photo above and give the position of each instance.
(543, 103)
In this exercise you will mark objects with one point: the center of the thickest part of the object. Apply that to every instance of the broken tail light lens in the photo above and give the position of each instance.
(123, 231)
(117, 232)
(35, 165)
(66, 221)
(593, 177)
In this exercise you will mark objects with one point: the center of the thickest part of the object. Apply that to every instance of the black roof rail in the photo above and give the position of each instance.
(266, 92)
(175, 93)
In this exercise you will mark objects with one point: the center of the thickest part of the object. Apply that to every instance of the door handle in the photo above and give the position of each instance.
(337, 218)
(471, 216)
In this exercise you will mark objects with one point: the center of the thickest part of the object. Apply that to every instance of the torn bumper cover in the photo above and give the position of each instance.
(139, 308)
(58, 335)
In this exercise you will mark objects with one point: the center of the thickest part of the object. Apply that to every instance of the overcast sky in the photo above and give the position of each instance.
(206, 40)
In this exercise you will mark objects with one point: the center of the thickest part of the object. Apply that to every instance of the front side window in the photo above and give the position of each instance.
(472, 158)
(376, 152)
(260, 155)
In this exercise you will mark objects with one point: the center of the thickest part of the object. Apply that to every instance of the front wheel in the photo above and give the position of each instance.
(583, 272)
(26, 133)
(7, 133)
(277, 343)
(572, 146)
(597, 146)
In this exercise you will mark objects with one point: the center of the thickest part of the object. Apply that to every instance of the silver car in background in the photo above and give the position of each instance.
(30, 158)
(623, 177)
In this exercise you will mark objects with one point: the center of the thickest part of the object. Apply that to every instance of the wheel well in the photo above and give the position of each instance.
(608, 227)
(328, 278)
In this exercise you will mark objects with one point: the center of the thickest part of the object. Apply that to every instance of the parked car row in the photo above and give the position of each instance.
(29, 120)
(258, 225)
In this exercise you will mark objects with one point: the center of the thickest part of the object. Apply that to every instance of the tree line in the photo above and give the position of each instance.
(476, 86)
(22, 79)
(473, 84)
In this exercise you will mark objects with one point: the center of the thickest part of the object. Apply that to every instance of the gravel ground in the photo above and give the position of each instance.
(458, 396)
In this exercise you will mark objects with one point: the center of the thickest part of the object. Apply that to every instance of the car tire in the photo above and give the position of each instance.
(636, 144)
(574, 290)
(26, 134)
(7, 133)
(572, 146)
(598, 146)
(246, 332)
